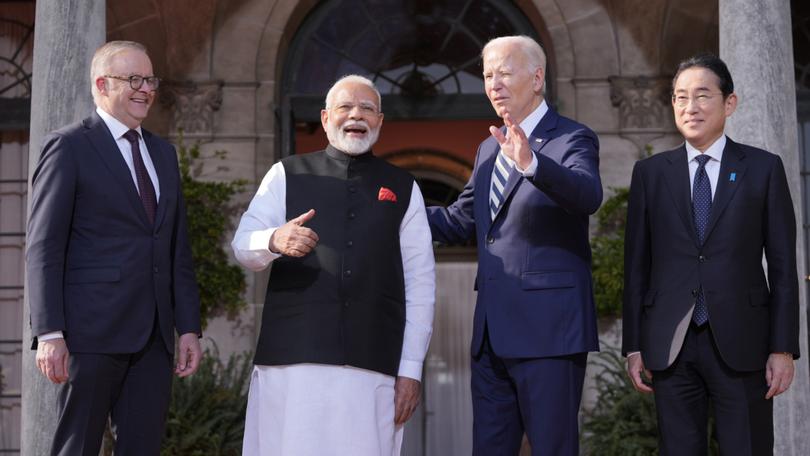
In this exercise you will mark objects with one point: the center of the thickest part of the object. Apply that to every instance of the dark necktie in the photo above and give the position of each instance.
(500, 174)
(701, 208)
(145, 188)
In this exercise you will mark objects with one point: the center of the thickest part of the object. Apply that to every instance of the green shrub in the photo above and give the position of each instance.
(608, 254)
(207, 411)
(210, 211)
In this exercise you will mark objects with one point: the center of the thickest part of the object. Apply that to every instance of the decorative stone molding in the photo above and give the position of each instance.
(192, 103)
(643, 102)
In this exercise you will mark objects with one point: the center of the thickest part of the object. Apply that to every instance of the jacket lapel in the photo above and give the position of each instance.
(105, 146)
(161, 168)
(732, 164)
(677, 180)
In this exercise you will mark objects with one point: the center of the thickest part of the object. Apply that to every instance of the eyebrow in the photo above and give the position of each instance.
(707, 89)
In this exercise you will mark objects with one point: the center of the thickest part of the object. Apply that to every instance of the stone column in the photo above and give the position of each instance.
(756, 43)
(66, 34)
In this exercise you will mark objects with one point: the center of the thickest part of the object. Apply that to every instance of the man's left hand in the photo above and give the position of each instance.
(189, 355)
(516, 146)
(406, 398)
(778, 373)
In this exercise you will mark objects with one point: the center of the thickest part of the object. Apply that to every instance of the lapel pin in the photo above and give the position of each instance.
(539, 140)
(732, 177)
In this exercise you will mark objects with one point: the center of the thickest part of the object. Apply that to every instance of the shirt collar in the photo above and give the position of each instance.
(532, 120)
(715, 151)
(114, 125)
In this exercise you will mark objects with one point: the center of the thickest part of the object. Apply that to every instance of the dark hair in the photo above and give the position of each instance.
(712, 63)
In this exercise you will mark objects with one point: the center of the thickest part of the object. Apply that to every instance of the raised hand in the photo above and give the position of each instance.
(516, 146)
(293, 238)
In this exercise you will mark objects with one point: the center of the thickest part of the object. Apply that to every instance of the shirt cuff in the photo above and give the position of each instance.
(633, 354)
(50, 336)
(530, 170)
(410, 369)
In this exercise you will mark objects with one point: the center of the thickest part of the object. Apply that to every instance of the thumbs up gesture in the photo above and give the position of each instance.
(293, 238)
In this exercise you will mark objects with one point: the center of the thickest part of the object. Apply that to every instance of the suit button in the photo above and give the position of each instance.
(694, 293)
(490, 240)
(351, 215)
(701, 258)
(352, 189)
(349, 243)
(155, 269)
(346, 303)
(348, 273)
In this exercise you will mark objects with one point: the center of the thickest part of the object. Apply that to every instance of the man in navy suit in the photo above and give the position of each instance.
(703, 322)
(109, 266)
(534, 184)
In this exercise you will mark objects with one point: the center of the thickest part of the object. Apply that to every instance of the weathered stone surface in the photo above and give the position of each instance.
(756, 44)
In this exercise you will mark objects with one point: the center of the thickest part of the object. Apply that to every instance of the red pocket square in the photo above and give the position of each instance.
(386, 195)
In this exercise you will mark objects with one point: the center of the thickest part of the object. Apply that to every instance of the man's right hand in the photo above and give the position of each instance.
(293, 238)
(635, 369)
(52, 359)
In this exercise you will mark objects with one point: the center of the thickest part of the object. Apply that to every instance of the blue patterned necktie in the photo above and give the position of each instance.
(500, 174)
(701, 208)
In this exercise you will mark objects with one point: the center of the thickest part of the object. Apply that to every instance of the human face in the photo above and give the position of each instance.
(512, 85)
(116, 97)
(699, 106)
(352, 122)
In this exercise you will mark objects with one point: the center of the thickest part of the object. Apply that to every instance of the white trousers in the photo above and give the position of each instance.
(320, 410)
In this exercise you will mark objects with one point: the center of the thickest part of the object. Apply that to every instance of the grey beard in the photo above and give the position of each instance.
(350, 146)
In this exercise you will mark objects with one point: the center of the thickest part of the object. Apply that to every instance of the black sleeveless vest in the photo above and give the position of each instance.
(344, 302)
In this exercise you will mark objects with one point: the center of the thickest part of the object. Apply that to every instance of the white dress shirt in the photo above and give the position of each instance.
(267, 212)
(715, 151)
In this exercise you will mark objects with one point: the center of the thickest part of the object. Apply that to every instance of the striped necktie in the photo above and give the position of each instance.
(500, 174)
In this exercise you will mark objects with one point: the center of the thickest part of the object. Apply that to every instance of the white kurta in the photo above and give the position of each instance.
(316, 409)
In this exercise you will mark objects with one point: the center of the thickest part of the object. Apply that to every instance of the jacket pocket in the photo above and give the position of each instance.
(547, 280)
(93, 275)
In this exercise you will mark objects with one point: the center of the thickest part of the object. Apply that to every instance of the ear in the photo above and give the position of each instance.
(538, 80)
(101, 85)
(730, 104)
(324, 118)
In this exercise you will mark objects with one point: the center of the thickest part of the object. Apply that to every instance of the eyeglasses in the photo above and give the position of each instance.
(701, 99)
(365, 108)
(136, 81)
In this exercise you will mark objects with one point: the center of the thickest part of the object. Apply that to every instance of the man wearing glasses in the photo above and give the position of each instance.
(703, 321)
(109, 268)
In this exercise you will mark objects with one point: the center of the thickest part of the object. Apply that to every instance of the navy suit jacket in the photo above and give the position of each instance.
(97, 269)
(535, 296)
(751, 213)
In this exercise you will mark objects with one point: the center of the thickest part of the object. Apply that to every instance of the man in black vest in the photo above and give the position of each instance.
(349, 308)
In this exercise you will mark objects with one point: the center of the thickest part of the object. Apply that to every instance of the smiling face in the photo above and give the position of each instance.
(699, 106)
(116, 97)
(511, 84)
(352, 120)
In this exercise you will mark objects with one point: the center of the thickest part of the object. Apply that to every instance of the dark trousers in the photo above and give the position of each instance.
(538, 396)
(743, 418)
(133, 390)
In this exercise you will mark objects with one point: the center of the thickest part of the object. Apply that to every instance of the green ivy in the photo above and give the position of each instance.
(210, 210)
(608, 254)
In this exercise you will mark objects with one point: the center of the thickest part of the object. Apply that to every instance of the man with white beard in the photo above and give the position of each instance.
(349, 308)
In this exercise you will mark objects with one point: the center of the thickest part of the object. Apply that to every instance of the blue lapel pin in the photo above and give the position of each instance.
(732, 177)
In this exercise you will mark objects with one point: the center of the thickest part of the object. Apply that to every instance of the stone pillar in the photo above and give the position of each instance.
(66, 34)
(756, 43)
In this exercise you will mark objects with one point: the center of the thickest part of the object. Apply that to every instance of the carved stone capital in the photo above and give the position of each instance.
(643, 102)
(192, 104)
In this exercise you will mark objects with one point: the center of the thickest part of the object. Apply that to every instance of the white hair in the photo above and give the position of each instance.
(352, 78)
(531, 49)
(103, 56)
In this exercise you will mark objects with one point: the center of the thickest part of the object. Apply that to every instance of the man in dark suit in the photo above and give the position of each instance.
(109, 265)
(702, 320)
(527, 205)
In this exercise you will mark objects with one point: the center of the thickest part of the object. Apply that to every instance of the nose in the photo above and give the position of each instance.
(356, 112)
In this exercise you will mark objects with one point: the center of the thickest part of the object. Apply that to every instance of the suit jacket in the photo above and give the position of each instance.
(665, 266)
(97, 269)
(535, 296)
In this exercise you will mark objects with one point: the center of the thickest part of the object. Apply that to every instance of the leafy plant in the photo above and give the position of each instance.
(210, 211)
(608, 254)
(207, 411)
